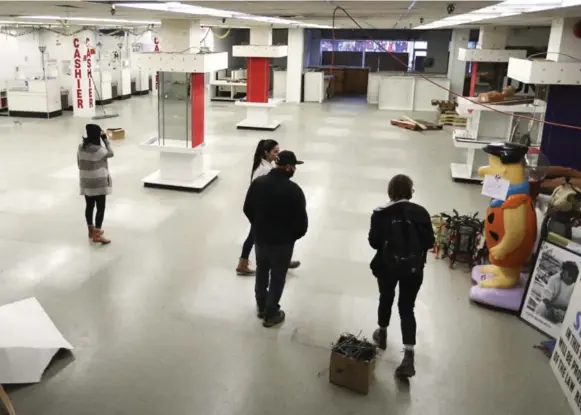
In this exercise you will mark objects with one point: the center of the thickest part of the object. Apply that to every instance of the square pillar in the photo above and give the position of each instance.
(294, 65)
(258, 84)
(261, 36)
(457, 68)
(492, 37)
(562, 40)
(198, 106)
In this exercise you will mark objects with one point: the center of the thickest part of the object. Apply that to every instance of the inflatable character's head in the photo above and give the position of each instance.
(505, 160)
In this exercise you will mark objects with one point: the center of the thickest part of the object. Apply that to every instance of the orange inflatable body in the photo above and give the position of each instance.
(494, 230)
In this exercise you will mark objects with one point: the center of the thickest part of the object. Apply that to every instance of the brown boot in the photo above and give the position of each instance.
(99, 238)
(243, 268)
(91, 231)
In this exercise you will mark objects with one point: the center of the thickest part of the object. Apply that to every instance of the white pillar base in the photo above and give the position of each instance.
(180, 168)
(258, 116)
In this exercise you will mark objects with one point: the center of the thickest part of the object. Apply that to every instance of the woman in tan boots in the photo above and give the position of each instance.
(94, 178)
(264, 155)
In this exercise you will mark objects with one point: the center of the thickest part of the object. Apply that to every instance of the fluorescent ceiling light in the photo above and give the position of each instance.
(176, 7)
(91, 19)
(505, 9)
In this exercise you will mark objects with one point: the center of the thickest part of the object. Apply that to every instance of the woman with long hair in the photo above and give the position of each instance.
(264, 155)
(94, 178)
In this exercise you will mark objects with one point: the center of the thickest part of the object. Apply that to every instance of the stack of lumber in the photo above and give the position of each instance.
(415, 125)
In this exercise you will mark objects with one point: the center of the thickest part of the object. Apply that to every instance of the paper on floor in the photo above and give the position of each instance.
(28, 341)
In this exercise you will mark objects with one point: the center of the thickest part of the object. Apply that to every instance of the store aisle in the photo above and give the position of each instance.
(160, 321)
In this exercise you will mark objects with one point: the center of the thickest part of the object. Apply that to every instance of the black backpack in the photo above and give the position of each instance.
(402, 251)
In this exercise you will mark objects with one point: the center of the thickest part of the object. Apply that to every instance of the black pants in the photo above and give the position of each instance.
(247, 245)
(90, 203)
(409, 286)
(271, 267)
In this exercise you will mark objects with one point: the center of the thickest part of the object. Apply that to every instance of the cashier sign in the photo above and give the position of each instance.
(79, 98)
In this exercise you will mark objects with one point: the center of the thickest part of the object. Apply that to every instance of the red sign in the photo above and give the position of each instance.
(78, 76)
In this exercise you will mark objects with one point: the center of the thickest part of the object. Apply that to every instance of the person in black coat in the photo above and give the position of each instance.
(401, 233)
(276, 209)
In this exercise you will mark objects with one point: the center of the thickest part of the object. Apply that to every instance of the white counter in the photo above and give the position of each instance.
(102, 80)
(410, 92)
(279, 85)
(316, 84)
(141, 83)
(41, 99)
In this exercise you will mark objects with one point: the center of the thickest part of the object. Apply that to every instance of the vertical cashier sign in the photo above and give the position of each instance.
(156, 49)
(566, 359)
(82, 79)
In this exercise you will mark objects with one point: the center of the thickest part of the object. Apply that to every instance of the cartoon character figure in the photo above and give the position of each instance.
(511, 225)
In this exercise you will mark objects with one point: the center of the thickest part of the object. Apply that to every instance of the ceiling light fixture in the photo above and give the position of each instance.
(507, 8)
(92, 19)
(176, 7)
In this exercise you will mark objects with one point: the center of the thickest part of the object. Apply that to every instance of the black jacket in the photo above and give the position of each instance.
(276, 208)
(383, 216)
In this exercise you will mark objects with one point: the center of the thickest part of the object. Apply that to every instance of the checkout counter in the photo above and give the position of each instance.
(104, 94)
(140, 83)
(35, 98)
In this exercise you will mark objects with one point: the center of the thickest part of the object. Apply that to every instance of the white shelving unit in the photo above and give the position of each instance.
(484, 126)
(221, 84)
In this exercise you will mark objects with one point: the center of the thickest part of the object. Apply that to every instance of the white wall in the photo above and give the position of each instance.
(529, 36)
(22, 50)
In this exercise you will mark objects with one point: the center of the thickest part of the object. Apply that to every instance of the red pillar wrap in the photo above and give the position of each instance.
(258, 83)
(197, 101)
(473, 79)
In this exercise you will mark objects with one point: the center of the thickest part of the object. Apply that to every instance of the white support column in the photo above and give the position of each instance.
(492, 37)
(261, 36)
(179, 35)
(456, 68)
(562, 40)
(294, 65)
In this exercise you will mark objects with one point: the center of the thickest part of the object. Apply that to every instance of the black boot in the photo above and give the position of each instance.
(294, 264)
(380, 338)
(406, 369)
(272, 321)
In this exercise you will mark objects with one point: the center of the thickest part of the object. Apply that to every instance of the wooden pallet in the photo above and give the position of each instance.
(452, 119)
(415, 125)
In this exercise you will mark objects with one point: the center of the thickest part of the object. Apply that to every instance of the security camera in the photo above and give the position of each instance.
(113, 10)
(224, 20)
(421, 20)
(450, 8)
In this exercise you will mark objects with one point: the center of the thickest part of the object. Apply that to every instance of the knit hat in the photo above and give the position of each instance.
(93, 131)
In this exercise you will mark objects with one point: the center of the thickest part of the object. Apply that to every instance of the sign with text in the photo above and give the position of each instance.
(156, 49)
(523, 90)
(566, 359)
(83, 99)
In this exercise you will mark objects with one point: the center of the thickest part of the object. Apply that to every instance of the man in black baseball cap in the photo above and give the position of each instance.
(276, 209)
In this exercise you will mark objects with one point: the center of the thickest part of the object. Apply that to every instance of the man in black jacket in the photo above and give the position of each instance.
(401, 233)
(276, 209)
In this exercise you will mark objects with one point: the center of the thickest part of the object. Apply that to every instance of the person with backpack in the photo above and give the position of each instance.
(264, 155)
(401, 233)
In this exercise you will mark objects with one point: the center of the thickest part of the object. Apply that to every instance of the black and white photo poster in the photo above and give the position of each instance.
(566, 359)
(550, 288)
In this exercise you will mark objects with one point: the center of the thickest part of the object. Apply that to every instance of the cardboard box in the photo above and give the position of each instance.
(116, 133)
(355, 375)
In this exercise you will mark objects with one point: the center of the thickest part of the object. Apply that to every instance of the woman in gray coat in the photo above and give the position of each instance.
(94, 178)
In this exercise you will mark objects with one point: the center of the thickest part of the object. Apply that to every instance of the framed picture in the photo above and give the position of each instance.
(550, 287)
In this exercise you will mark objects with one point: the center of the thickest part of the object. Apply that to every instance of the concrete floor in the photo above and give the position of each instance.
(160, 321)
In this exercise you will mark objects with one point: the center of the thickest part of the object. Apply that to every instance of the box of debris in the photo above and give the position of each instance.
(352, 363)
(116, 133)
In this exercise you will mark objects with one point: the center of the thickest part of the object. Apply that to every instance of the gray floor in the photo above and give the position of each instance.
(162, 325)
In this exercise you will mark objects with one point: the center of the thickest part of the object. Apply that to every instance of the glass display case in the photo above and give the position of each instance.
(174, 109)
